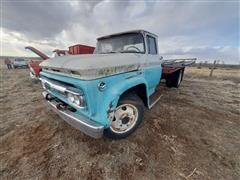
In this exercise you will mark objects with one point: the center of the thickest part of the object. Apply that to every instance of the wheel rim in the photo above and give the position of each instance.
(125, 117)
(179, 78)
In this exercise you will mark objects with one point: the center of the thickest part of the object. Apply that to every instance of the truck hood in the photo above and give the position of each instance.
(36, 51)
(94, 66)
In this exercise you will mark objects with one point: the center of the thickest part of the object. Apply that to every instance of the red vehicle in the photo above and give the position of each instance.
(80, 49)
(73, 50)
(34, 64)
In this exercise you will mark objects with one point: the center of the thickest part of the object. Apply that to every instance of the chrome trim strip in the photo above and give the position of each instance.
(54, 85)
(79, 122)
(60, 87)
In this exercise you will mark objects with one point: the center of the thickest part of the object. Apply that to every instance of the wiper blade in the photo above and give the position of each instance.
(130, 52)
(112, 52)
(109, 52)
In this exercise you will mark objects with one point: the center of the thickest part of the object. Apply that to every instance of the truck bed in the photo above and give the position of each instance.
(170, 68)
(172, 65)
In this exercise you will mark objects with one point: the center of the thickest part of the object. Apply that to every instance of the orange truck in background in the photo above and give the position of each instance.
(72, 50)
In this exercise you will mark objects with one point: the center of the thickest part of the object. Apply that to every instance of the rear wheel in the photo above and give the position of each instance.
(175, 79)
(127, 117)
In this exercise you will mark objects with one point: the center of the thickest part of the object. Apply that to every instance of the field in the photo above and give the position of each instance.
(192, 133)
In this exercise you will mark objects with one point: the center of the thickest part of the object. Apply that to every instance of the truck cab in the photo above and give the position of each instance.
(105, 93)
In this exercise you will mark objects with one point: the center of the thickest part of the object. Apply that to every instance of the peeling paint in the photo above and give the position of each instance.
(114, 70)
(94, 66)
(89, 67)
(110, 111)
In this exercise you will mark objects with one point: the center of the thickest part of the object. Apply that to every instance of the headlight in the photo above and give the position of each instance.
(70, 98)
(76, 99)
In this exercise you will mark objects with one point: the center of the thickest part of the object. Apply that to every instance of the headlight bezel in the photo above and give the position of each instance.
(76, 99)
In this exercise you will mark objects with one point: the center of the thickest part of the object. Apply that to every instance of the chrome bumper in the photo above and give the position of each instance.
(33, 76)
(79, 122)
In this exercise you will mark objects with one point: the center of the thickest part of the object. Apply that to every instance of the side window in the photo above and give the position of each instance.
(152, 46)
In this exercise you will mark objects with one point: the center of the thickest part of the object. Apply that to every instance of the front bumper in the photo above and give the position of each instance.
(33, 76)
(81, 123)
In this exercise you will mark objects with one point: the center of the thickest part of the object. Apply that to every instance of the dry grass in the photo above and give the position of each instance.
(192, 133)
(219, 73)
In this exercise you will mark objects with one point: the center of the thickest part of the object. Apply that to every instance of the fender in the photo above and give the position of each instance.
(120, 88)
(101, 103)
(115, 87)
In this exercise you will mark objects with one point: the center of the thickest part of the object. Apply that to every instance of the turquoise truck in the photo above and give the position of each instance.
(105, 93)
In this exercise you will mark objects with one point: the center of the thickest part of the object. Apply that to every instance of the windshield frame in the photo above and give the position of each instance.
(111, 36)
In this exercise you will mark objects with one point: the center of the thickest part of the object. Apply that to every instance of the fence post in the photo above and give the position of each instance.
(212, 68)
(200, 65)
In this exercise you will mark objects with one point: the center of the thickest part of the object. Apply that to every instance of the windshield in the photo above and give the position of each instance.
(19, 59)
(125, 43)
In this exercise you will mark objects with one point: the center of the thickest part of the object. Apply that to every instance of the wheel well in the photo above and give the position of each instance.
(140, 90)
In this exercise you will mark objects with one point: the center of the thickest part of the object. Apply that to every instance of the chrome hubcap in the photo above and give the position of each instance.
(125, 117)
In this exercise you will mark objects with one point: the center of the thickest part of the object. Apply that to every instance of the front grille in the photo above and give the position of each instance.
(64, 92)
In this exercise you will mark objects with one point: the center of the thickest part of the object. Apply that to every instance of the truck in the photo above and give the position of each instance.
(19, 63)
(105, 93)
(72, 50)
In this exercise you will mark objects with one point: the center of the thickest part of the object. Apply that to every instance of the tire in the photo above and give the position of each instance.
(129, 102)
(175, 79)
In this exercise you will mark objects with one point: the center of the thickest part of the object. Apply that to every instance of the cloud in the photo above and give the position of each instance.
(189, 28)
(36, 19)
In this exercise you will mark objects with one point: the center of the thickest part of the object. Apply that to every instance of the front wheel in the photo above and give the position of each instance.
(127, 117)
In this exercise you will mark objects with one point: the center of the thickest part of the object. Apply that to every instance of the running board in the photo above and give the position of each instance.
(155, 97)
(155, 102)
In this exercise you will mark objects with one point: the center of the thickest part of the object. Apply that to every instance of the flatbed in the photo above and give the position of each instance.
(172, 72)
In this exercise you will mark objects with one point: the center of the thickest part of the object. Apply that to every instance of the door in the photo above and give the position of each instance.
(153, 68)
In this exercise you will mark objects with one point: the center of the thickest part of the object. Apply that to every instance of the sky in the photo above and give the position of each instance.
(207, 30)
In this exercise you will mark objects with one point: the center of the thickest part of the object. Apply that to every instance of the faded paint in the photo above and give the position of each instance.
(101, 103)
(119, 71)
(95, 66)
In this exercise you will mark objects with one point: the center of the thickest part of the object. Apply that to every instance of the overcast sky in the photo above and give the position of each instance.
(203, 29)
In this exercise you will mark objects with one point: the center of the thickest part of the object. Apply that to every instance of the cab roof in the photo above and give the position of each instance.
(127, 32)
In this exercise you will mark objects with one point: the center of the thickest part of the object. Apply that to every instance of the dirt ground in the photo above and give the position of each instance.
(192, 133)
